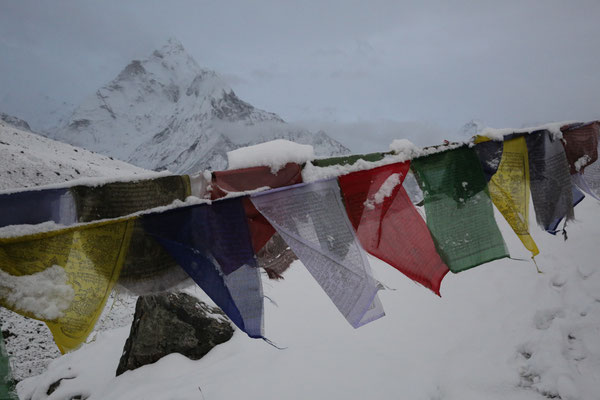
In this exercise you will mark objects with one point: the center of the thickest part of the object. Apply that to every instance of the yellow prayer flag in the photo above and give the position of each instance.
(509, 189)
(92, 256)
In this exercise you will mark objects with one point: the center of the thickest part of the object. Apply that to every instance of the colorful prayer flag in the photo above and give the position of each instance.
(212, 244)
(389, 226)
(551, 186)
(92, 256)
(509, 189)
(459, 211)
(37, 206)
(581, 144)
(6, 386)
(348, 160)
(240, 180)
(312, 219)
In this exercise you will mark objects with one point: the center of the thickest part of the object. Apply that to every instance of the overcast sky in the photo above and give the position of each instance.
(353, 66)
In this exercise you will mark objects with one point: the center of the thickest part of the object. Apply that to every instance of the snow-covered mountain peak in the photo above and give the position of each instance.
(165, 111)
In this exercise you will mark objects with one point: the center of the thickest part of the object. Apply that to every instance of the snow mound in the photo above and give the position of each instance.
(274, 154)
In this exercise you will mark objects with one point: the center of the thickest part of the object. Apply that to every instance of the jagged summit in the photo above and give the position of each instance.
(166, 112)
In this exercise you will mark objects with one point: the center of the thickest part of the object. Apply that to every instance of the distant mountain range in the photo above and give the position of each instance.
(166, 112)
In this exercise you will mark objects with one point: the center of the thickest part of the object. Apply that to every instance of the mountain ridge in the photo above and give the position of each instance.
(166, 112)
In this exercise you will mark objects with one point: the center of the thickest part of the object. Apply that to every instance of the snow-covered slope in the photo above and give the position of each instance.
(500, 331)
(165, 112)
(27, 160)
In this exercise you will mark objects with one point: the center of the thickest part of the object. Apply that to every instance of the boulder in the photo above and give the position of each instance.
(172, 323)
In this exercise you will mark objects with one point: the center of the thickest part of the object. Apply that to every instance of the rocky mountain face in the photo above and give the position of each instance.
(15, 121)
(166, 112)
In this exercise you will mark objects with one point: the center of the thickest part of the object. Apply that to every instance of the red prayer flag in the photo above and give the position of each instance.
(239, 180)
(389, 226)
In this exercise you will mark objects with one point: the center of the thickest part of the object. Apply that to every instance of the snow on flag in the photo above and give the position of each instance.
(587, 179)
(459, 211)
(389, 226)
(509, 188)
(551, 186)
(91, 255)
(312, 219)
(212, 244)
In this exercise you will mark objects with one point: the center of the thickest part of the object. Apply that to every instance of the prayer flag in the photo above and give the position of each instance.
(37, 206)
(509, 189)
(348, 160)
(551, 187)
(273, 254)
(240, 180)
(459, 211)
(584, 186)
(91, 255)
(212, 244)
(6, 387)
(577, 197)
(489, 153)
(389, 226)
(311, 218)
(148, 267)
(581, 144)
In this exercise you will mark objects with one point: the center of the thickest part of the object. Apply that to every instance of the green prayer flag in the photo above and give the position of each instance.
(348, 160)
(6, 383)
(459, 210)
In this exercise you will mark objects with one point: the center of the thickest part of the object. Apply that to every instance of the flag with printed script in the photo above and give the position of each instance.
(92, 256)
(148, 268)
(581, 144)
(212, 244)
(389, 226)
(551, 187)
(577, 196)
(509, 188)
(458, 208)
(312, 219)
(6, 388)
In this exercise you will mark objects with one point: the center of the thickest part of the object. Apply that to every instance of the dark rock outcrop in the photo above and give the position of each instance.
(172, 323)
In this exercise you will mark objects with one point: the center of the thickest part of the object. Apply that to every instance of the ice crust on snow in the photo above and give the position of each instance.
(45, 294)
(274, 154)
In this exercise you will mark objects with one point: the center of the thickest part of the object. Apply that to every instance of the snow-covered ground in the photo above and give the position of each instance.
(28, 160)
(500, 331)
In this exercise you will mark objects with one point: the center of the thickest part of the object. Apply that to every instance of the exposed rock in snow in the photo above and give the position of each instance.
(172, 323)
(166, 112)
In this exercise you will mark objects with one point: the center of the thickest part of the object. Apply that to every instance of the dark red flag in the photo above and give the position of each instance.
(239, 180)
